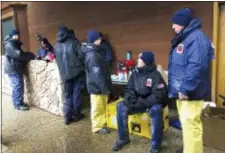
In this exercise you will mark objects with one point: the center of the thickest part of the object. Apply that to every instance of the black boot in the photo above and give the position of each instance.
(68, 121)
(120, 144)
(78, 117)
(22, 107)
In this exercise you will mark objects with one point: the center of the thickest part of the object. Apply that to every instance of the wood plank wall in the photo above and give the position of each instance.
(132, 26)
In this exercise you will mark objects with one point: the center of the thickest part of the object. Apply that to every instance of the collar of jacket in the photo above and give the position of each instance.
(62, 36)
(17, 43)
(146, 69)
(194, 25)
(93, 46)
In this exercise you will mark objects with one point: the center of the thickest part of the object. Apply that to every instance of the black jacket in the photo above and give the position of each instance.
(15, 59)
(107, 52)
(145, 88)
(98, 77)
(67, 53)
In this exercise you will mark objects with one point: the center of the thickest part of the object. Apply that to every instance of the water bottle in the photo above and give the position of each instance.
(128, 55)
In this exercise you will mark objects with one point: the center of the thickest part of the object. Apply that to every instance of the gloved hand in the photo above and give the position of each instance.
(135, 104)
(129, 100)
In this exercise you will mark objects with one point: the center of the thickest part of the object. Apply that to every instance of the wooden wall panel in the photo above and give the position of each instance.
(22, 25)
(132, 26)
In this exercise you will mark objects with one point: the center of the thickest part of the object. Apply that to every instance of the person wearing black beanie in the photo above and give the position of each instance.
(189, 76)
(146, 92)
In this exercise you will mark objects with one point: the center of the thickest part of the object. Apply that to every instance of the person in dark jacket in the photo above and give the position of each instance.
(15, 62)
(45, 50)
(189, 76)
(146, 92)
(72, 73)
(106, 51)
(98, 81)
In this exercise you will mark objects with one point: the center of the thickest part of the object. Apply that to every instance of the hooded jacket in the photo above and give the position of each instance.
(189, 63)
(98, 77)
(67, 54)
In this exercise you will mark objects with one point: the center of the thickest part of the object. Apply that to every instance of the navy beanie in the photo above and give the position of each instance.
(14, 32)
(182, 17)
(148, 57)
(93, 35)
(62, 29)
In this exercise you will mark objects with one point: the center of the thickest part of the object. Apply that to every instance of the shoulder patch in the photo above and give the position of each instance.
(160, 86)
(95, 69)
(180, 49)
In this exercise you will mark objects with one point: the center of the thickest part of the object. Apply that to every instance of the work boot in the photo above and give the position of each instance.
(154, 150)
(104, 130)
(22, 107)
(78, 117)
(67, 121)
(120, 144)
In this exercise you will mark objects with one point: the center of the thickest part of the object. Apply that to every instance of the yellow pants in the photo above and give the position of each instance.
(189, 113)
(98, 111)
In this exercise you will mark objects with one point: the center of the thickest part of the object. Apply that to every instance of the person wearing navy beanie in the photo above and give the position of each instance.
(146, 92)
(182, 17)
(93, 36)
(147, 57)
(189, 60)
(71, 70)
(98, 81)
(14, 32)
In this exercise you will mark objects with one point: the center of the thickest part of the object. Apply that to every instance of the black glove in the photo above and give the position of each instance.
(136, 104)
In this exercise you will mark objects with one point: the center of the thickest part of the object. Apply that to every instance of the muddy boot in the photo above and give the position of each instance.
(120, 144)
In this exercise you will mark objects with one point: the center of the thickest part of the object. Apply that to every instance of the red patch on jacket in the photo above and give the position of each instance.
(180, 48)
(149, 82)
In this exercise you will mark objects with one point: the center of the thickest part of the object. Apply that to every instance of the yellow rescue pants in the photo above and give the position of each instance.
(98, 111)
(189, 113)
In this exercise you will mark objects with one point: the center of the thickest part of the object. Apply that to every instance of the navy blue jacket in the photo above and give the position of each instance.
(189, 63)
(15, 58)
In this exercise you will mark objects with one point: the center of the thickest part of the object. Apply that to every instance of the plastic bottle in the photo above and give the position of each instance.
(128, 55)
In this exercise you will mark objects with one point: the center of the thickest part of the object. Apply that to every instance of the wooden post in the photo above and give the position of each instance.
(215, 43)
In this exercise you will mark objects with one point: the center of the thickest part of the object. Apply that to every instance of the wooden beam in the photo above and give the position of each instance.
(7, 15)
(215, 42)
